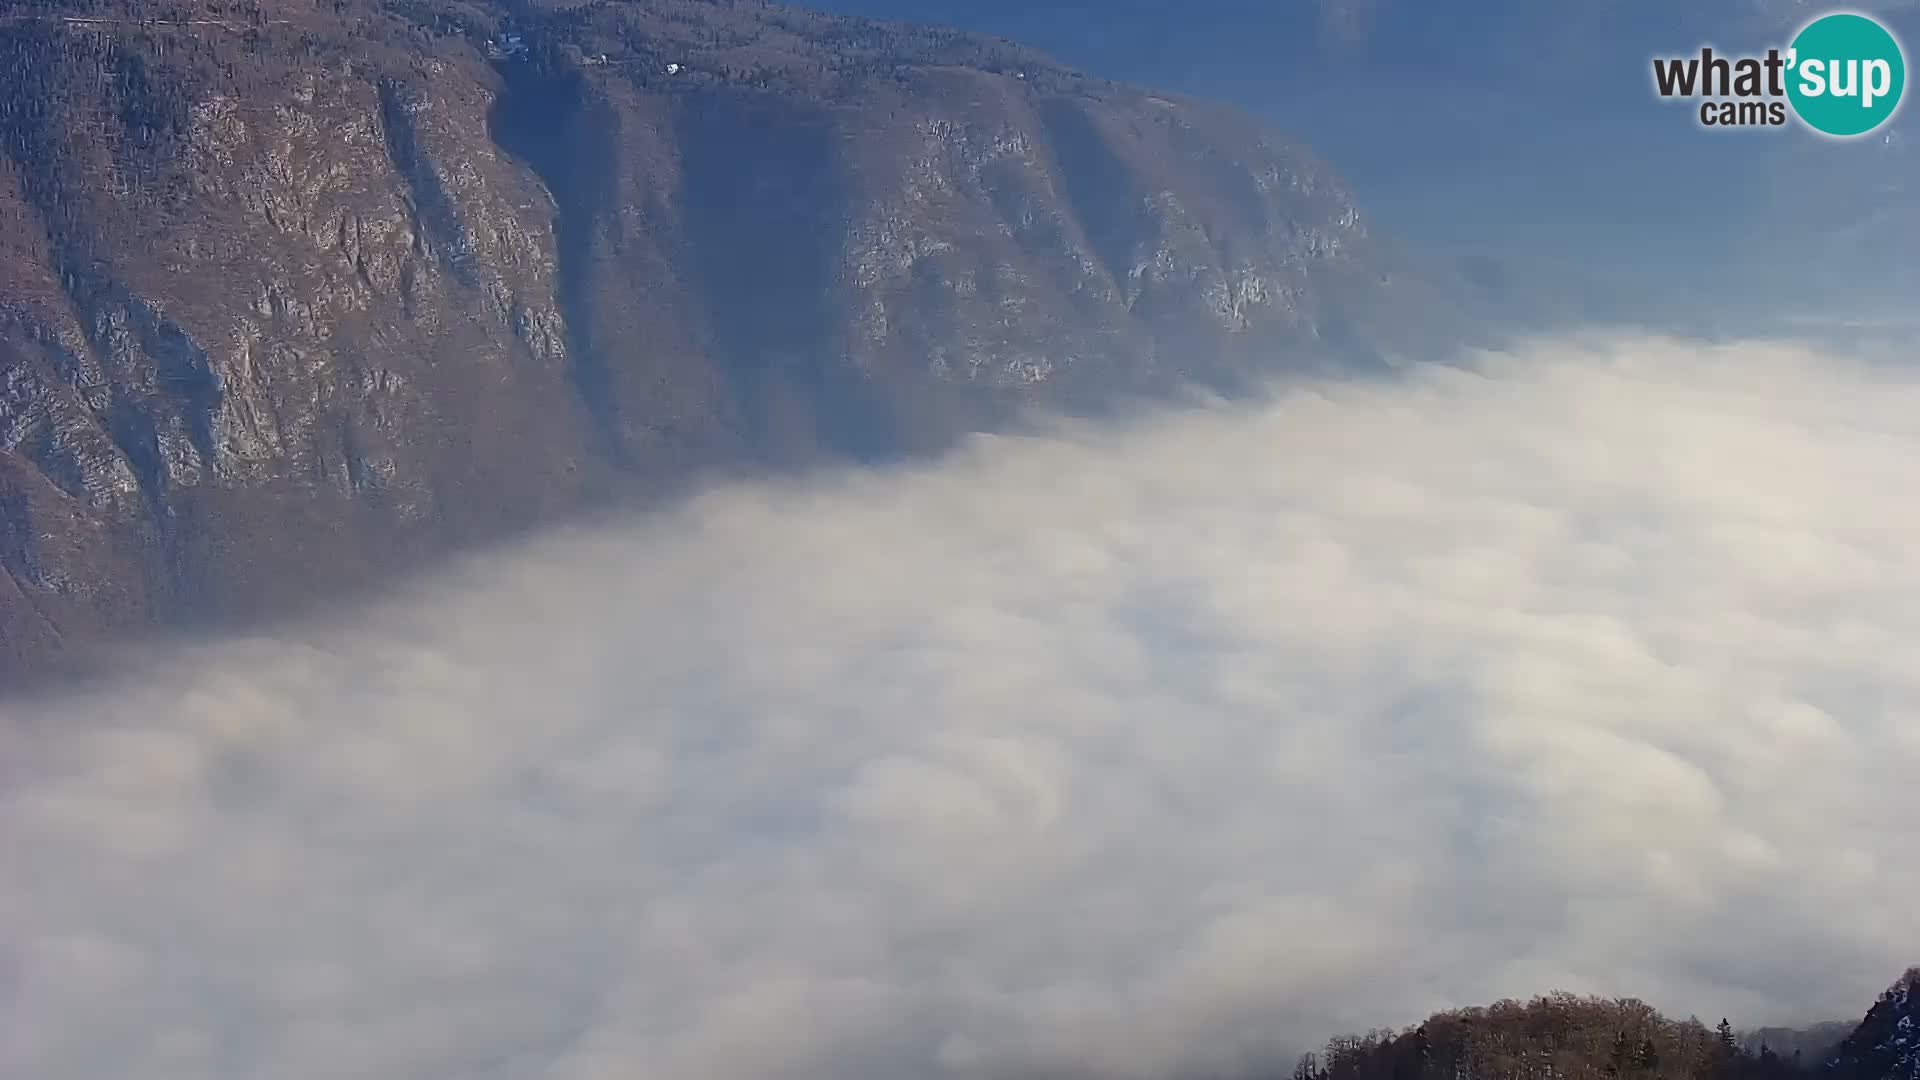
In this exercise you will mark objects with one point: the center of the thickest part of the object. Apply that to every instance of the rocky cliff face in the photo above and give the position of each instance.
(1886, 1045)
(296, 291)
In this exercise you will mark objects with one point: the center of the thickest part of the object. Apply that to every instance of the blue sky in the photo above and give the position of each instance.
(1513, 127)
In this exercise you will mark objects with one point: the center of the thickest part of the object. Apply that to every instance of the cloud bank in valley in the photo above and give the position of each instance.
(1110, 750)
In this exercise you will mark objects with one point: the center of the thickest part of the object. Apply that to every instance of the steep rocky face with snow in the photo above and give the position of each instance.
(1886, 1045)
(296, 291)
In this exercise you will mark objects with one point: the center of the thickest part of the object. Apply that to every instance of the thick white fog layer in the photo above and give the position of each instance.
(1103, 751)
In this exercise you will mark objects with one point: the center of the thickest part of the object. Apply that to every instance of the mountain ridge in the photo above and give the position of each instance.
(295, 294)
(1886, 1044)
(1565, 1036)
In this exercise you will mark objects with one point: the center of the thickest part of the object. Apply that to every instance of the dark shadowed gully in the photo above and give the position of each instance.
(294, 295)
(595, 539)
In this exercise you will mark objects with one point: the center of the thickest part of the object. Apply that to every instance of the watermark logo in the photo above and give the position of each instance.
(1842, 75)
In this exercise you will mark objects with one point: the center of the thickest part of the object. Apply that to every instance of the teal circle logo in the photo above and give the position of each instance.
(1845, 75)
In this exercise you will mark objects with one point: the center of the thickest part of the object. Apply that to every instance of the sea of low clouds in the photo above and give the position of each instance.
(1114, 751)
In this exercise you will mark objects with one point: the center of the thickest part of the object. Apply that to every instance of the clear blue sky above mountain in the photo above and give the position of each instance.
(1520, 127)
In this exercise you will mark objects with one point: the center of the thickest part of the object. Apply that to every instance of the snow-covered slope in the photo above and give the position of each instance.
(1886, 1045)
